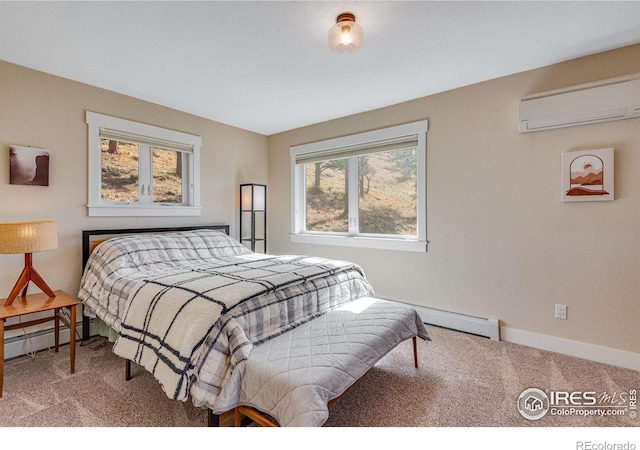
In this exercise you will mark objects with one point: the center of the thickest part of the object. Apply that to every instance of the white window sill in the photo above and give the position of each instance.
(361, 242)
(149, 211)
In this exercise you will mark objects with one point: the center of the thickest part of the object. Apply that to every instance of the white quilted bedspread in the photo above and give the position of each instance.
(292, 377)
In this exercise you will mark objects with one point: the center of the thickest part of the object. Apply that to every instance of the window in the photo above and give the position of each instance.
(141, 170)
(363, 190)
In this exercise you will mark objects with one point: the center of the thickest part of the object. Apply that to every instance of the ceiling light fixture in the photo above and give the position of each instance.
(346, 35)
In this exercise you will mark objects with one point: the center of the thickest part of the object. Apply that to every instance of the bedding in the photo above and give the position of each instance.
(190, 306)
(293, 377)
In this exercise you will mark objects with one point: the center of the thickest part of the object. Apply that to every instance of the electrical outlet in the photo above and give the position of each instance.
(561, 311)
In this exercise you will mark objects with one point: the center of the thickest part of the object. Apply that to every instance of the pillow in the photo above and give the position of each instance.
(157, 251)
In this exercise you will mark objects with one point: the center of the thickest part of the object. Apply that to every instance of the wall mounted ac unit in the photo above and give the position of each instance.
(601, 101)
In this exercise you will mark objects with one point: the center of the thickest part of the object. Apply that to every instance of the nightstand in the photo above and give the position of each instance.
(37, 303)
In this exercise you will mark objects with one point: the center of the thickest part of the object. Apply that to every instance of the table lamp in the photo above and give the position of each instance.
(27, 238)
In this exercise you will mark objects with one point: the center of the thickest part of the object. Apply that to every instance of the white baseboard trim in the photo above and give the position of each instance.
(491, 328)
(620, 358)
(469, 324)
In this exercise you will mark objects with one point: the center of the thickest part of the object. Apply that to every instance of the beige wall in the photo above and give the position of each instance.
(45, 111)
(502, 244)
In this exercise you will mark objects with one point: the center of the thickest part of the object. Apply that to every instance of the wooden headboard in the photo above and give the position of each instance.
(91, 238)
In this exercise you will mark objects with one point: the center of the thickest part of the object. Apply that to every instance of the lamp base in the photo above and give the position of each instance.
(29, 273)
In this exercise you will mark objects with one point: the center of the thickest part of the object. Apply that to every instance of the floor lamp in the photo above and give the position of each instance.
(253, 215)
(28, 238)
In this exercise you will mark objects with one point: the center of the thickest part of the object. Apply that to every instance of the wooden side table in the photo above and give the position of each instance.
(37, 303)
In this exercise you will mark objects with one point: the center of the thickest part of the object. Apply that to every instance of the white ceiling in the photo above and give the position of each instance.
(265, 66)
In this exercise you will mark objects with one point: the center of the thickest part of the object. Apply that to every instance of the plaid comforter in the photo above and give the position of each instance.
(190, 306)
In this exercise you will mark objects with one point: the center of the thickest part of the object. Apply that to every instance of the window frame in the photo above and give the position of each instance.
(353, 238)
(190, 205)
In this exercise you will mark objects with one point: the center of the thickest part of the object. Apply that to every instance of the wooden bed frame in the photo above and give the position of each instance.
(91, 238)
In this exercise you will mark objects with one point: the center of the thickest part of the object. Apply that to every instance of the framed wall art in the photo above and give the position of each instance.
(587, 175)
(28, 166)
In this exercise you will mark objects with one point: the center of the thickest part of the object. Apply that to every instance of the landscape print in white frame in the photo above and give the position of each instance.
(587, 175)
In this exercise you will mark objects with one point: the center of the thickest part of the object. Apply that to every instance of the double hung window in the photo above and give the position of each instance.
(141, 170)
(365, 190)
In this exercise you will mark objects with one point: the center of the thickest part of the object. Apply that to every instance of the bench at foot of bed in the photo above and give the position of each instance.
(244, 415)
(293, 379)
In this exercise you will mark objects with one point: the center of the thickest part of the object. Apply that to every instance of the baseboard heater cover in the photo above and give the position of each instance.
(480, 326)
(39, 340)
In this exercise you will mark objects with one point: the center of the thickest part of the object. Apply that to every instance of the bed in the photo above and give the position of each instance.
(190, 304)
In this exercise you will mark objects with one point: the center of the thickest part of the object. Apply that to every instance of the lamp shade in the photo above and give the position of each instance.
(253, 197)
(346, 36)
(28, 237)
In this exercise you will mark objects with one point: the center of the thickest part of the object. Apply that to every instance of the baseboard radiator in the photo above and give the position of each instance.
(34, 341)
(461, 322)
(21, 345)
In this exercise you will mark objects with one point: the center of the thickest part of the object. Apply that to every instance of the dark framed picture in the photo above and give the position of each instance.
(28, 166)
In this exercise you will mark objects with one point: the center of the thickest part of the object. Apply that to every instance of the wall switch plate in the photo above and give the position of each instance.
(561, 311)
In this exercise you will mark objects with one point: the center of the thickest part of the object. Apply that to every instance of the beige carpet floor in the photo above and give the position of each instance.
(463, 381)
